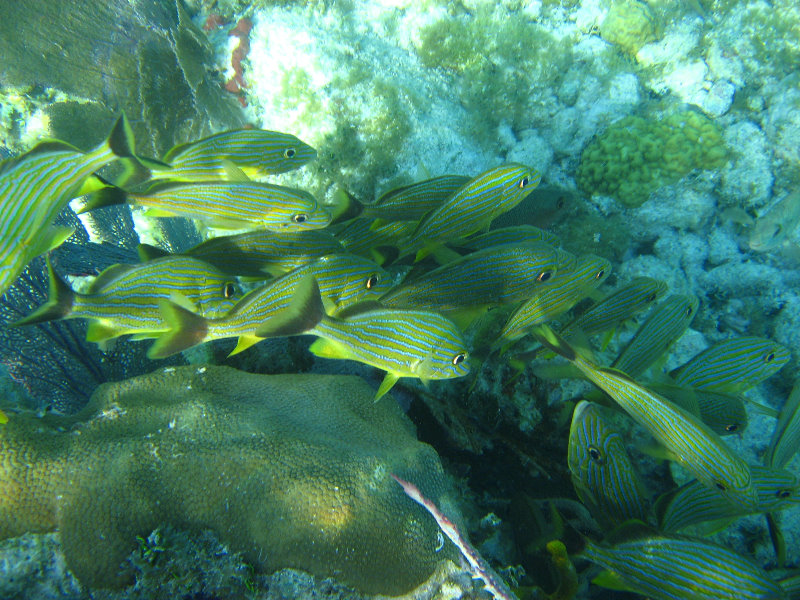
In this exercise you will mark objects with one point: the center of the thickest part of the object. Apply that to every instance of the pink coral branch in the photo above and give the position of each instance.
(479, 568)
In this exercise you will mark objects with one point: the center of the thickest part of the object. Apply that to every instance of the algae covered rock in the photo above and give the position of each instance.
(635, 156)
(629, 25)
(290, 470)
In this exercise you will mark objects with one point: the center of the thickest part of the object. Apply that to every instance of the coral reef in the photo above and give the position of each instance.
(629, 24)
(147, 59)
(289, 470)
(636, 155)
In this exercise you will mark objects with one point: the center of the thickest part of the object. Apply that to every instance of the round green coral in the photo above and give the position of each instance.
(636, 156)
(629, 25)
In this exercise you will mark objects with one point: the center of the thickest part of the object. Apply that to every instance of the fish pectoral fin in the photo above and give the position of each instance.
(426, 250)
(153, 212)
(388, 383)
(183, 302)
(244, 342)
(232, 172)
(51, 239)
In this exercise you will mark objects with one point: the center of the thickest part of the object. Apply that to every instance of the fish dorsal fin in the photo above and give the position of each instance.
(108, 276)
(359, 308)
(232, 172)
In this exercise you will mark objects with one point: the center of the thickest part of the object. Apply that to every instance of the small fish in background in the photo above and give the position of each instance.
(689, 441)
(617, 307)
(602, 474)
(666, 323)
(723, 412)
(772, 229)
(224, 205)
(472, 207)
(693, 503)
(567, 289)
(670, 567)
(406, 203)
(124, 299)
(256, 152)
(490, 277)
(259, 253)
(379, 243)
(517, 234)
(35, 186)
(733, 365)
(342, 280)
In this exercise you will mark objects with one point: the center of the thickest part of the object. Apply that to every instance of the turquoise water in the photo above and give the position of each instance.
(666, 138)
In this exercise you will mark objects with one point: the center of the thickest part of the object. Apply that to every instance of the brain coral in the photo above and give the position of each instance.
(636, 156)
(291, 470)
(629, 25)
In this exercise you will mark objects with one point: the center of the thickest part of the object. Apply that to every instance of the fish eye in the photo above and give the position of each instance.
(561, 202)
(784, 494)
(289, 153)
(600, 274)
(651, 298)
(732, 427)
(372, 281)
(595, 454)
(300, 218)
(459, 358)
(523, 183)
(229, 290)
(544, 276)
(769, 357)
(689, 312)
(720, 486)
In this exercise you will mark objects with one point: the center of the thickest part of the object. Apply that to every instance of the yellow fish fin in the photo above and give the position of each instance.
(245, 341)
(147, 252)
(232, 172)
(611, 581)
(186, 329)
(425, 251)
(443, 255)
(607, 339)
(388, 382)
(183, 302)
(3, 418)
(325, 348)
(51, 238)
(98, 332)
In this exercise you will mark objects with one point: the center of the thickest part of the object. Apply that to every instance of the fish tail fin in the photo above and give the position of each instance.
(345, 207)
(187, 329)
(60, 299)
(554, 342)
(305, 310)
(147, 252)
(121, 141)
(108, 194)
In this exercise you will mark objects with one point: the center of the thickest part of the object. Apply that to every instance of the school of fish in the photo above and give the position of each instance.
(396, 284)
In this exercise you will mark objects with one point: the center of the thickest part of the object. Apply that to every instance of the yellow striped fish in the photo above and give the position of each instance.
(733, 365)
(404, 343)
(472, 207)
(124, 299)
(664, 567)
(256, 152)
(602, 473)
(35, 187)
(724, 413)
(665, 324)
(342, 279)
(406, 203)
(693, 503)
(497, 275)
(566, 290)
(786, 437)
(617, 307)
(690, 441)
(260, 252)
(225, 205)
(517, 234)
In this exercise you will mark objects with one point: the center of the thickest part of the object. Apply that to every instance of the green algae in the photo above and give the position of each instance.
(497, 63)
(635, 156)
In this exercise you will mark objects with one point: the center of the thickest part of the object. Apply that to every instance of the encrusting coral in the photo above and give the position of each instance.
(290, 470)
